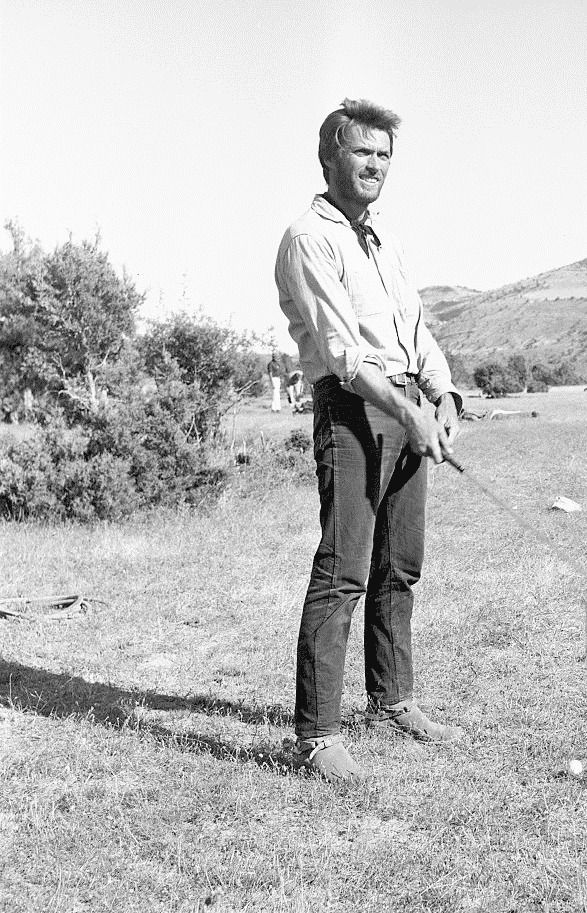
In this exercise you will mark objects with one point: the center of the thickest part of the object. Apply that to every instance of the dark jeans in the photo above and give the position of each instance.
(372, 504)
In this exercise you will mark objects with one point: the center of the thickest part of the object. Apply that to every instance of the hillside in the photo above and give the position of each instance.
(544, 316)
(436, 294)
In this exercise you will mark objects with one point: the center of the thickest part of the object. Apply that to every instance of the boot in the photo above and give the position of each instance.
(408, 719)
(328, 757)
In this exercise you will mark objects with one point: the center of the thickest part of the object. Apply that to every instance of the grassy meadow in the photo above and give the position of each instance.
(144, 744)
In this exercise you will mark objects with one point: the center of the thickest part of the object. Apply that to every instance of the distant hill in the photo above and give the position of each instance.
(544, 316)
(434, 294)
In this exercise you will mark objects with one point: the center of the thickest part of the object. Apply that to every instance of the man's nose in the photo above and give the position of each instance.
(373, 162)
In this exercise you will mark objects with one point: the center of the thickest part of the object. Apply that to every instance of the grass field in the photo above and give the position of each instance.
(142, 743)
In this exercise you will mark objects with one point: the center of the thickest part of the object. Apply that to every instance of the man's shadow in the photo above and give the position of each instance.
(53, 694)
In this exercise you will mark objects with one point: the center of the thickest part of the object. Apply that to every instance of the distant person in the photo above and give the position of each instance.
(364, 346)
(294, 389)
(274, 371)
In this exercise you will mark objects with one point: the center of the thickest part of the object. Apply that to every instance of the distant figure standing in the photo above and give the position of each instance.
(274, 371)
(295, 387)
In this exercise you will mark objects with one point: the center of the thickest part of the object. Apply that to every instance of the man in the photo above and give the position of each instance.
(294, 388)
(364, 347)
(274, 372)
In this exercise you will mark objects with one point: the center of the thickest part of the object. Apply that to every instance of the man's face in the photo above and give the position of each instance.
(357, 171)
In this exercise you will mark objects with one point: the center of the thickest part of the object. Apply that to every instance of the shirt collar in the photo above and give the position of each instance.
(328, 211)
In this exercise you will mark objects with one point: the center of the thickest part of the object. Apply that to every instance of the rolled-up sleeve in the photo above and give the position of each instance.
(307, 271)
(433, 370)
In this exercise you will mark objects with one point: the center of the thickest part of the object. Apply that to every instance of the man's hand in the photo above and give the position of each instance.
(446, 416)
(427, 436)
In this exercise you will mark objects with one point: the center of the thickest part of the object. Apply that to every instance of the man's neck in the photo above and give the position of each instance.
(353, 212)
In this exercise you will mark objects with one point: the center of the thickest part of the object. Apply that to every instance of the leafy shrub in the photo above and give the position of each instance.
(215, 358)
(298, 439)
(63, 317)
(498, 379)
(299, 466)
(129, 453)
(159, 435)
(517, 370)
(493, 379)
(564, 373)
(537, 386)
(540, 376)
(123, 421)
(51, 475)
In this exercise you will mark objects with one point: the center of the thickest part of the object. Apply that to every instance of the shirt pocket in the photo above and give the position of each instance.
(366, 291)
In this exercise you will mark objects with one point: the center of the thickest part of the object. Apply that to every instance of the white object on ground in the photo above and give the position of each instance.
(495, 413)
(510, 413)
(565, 504)
(575, 768)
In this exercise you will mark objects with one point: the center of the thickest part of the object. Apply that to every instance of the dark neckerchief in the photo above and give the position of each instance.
(359, 226)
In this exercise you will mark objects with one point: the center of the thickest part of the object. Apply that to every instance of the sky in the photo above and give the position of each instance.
(186, 133)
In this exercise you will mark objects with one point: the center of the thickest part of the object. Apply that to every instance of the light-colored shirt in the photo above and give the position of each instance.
(345, 307)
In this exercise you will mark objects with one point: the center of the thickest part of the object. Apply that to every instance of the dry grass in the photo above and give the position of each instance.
(143, 766)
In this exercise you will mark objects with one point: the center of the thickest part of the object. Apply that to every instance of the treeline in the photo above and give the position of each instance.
(118, 419)
(516, 374)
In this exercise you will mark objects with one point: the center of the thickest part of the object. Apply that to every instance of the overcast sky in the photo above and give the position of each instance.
(186, 131)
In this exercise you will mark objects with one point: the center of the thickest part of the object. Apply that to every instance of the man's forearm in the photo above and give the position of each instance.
(373, 386)
(426, 436)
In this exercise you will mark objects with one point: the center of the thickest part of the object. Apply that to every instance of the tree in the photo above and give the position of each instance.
(87, 315)
(216, 359)
(517, 371)
(22, 362)
(67, 327)
(565, 373)
(494, 379)
(460, 371)
(63, 318)
(497, 379)
(539, 379)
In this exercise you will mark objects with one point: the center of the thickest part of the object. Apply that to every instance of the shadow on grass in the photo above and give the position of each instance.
(53, 694)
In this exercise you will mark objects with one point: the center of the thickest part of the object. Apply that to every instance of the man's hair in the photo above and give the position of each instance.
(358, 112)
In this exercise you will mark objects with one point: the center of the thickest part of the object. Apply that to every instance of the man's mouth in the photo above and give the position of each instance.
(369, 179)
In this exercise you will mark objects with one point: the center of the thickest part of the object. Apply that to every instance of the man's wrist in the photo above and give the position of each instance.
(448, 396)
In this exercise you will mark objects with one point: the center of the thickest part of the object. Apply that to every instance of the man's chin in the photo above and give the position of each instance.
(360, 199)
(367, 195)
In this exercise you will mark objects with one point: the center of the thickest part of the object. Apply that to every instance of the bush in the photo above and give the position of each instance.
(160, 436)
(494, 380)
(128, 454)
(51, 476)
(517, 370)
(498, 379)
(201, 352)
(299, 440)
(63, 316)
(565, 373)
(537, 386)
(123, 422)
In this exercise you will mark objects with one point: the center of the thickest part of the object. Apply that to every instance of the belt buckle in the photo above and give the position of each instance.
(400, 380)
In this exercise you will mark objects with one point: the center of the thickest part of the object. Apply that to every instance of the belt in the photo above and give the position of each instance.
(402, 380)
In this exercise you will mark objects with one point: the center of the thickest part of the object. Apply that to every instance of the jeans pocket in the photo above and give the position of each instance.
(322, 434)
